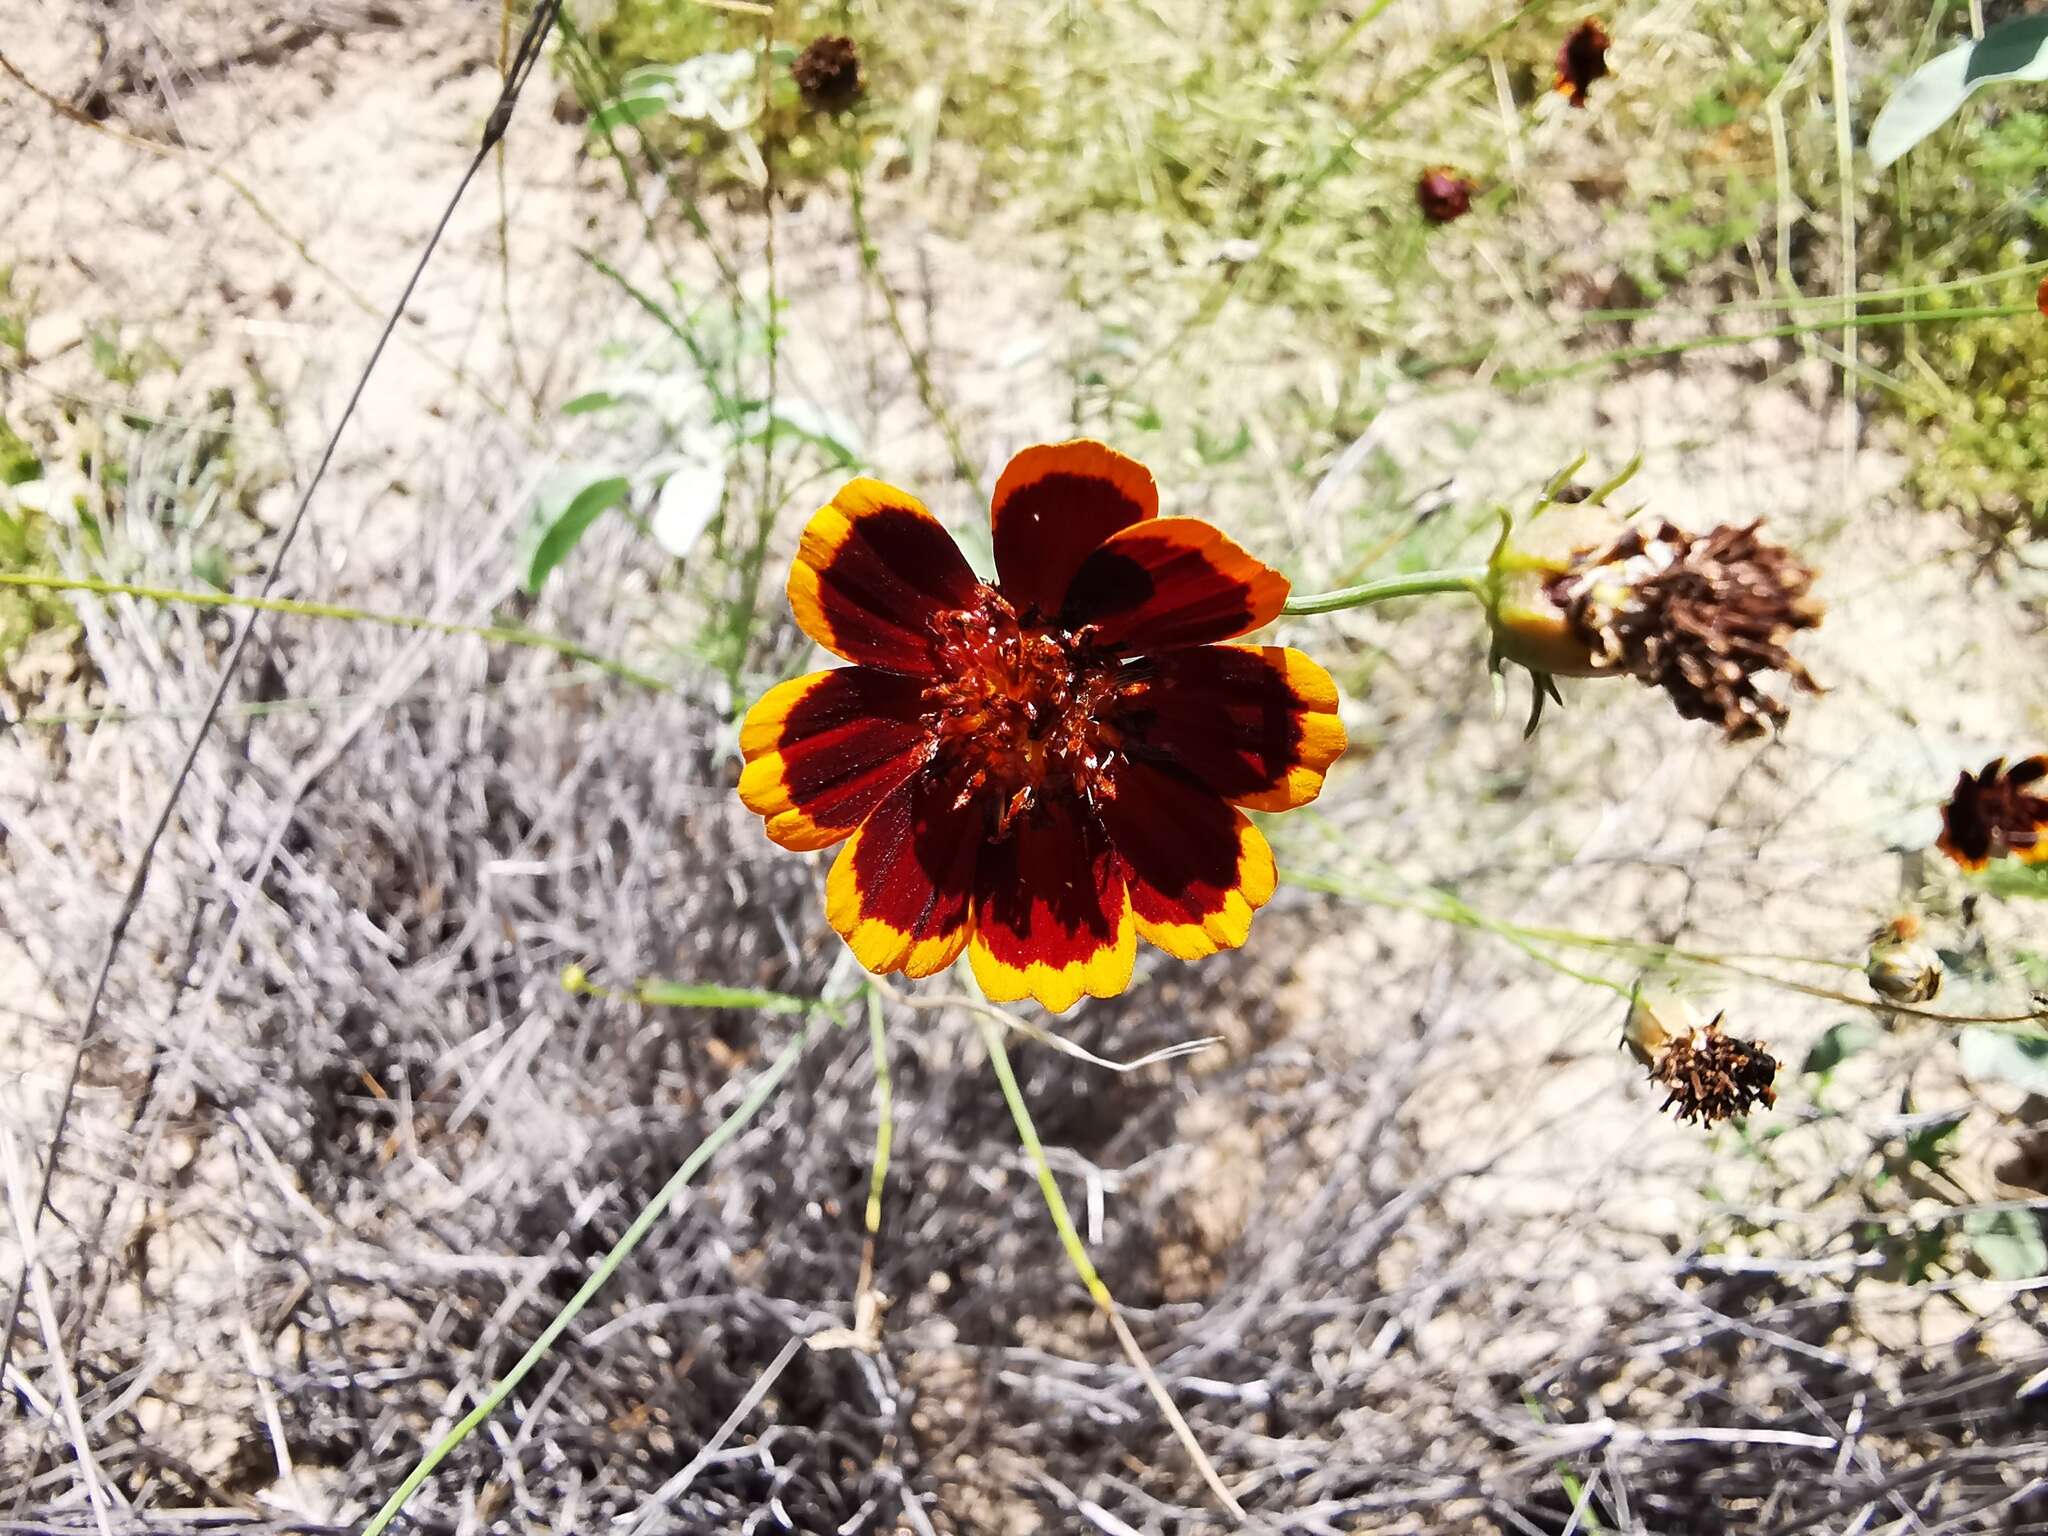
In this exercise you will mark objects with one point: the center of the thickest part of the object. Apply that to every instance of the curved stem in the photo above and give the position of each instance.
(497, 634)
(1467, 578)
(1077, 1255)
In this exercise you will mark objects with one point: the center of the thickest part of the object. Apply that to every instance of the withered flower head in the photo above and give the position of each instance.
(828, 74)
(1698, 615)
(1997, 812)
(1582, 60)
(1711, 1077)
(1444, 195)
(2041, 295)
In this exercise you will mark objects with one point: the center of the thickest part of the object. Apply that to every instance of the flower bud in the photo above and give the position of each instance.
(1444, 195)
(575, 979)
(828, 74)
(1902, 968)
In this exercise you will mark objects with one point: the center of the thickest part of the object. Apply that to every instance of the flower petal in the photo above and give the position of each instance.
(901, 889)
(1197, 866)
(1257, 724)
(1052, 919)
(1168, 583)
(872, 568)
(1053, 506)
(823, 749)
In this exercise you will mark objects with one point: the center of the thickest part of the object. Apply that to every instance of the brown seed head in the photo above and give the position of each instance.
(1996, 812)
(1582, 60)
(1698, 615)
(1711, 1077)
(1444, 195)
(828, 74)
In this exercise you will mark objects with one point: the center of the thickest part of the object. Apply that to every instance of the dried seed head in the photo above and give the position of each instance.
(1996, 812)
(1903, 972)
(1711, 1077)
(1444, 195)
(1698, 615)
(828, 74)
(1582, 60)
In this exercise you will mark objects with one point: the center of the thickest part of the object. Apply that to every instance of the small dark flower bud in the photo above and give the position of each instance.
(828, 74)
(1582, 60)
(1444, 195)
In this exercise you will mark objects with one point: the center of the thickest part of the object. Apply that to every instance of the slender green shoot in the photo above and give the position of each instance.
(885, 1112)
(1077, 1255)
(920, 369)
(496, 634)
(759, 1094)
(1470, 580)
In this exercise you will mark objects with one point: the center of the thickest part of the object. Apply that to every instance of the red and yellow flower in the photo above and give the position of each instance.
(1998, 812)
(1041, 770)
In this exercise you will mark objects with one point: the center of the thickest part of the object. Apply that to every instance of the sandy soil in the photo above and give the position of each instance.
(305, 166)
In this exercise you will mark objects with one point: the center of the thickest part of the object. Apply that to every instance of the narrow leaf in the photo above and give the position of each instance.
(561, 520)
(692, 994)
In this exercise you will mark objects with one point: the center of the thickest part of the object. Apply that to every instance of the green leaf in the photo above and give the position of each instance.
(1214, 450)
(1929, 97)
(690, 994)
(626, 111)
(561, 519)
(210, 565)
(2021, 1060)
(1925, 1145)
(688, 501)
(1842, 1041)
(595, 400)
(2008, 1243)
(2007, 878)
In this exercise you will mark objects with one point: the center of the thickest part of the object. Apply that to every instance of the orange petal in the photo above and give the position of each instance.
(871, 570)
(1052, 919)
(1257, 724)
(902, 887)
(1198, 868)
(1053, 506)
(822, 751)
(1169, 583)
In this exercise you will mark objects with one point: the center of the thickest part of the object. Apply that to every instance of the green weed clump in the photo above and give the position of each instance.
(1975, 396)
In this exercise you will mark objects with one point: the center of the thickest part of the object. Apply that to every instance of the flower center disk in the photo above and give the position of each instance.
(1017, 710)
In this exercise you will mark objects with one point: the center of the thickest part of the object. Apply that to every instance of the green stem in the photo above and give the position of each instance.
(920, 368)
(497, 634)
(1470, 579)
(885, 1111)
(991, 1022)
(759, 1094)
